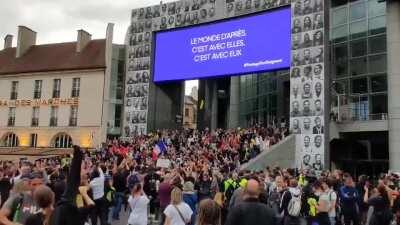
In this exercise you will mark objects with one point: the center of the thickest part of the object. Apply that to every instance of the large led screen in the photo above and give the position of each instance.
(254, 43)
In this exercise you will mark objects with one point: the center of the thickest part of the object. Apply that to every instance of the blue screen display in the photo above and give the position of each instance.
(254, 43)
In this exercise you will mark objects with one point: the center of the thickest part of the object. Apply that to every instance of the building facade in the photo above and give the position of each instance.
(190, 113)
(58, 95)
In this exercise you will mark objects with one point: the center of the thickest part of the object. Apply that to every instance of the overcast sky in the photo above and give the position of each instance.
(58, 20)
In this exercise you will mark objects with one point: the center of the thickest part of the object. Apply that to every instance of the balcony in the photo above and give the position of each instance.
(14, 95)
(11, 121)
(35, 122)
(73, 122)
(53, 122)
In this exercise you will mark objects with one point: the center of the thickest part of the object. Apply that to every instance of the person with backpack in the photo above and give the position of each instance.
(277, 188)
(291, 204)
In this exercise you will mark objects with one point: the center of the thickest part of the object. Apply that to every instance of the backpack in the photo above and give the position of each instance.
(294, 207)
(273, 202)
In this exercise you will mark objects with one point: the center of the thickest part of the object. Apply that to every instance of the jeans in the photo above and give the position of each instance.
(332, 220)
(119, 200)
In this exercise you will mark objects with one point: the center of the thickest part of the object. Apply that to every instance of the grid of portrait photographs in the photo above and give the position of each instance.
(242, 7)
(144, 21)
(307, 83)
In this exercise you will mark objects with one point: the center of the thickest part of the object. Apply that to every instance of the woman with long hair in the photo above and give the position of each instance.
(138, 202)
(209, 213)
(380, 202)
(177, 212)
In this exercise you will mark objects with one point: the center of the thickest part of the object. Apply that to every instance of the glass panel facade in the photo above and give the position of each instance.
(358, 53)
(259, 97)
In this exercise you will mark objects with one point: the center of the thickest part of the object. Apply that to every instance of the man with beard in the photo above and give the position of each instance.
(306, 109)
(307, 125)
(296, 127)
(318, 128)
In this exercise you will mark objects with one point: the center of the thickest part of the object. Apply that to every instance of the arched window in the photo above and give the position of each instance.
(62, 140)
(10, 140)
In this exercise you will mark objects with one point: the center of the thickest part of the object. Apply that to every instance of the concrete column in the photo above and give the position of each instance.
(233, 116)
(393, 79)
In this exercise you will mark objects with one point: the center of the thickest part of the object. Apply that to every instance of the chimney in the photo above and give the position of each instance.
(83, 39)
(8, 41)
(26, 39)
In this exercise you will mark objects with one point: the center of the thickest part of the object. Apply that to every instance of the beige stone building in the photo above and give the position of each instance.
(190, 112)
(58, 95)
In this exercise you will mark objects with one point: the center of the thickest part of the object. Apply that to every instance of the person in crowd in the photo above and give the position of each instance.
(100, 210)
(190, 198)
(288, 203)
(138, 203)
(349, 199)
(209, 213)
(323, 206)
(177, 212)
(380, 202)
(251, 210)
(44, 197)
(164, 193)
(20, 206)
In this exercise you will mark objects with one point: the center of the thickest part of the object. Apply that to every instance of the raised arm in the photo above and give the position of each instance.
(74, 175)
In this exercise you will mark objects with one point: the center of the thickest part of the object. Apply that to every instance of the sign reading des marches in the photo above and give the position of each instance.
(39, 102)
(254, 43)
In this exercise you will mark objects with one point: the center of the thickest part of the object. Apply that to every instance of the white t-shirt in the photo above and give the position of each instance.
(138, 215)
(173, 214)
(332, 197)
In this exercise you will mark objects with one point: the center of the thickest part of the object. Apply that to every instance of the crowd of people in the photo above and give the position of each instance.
(201, 185)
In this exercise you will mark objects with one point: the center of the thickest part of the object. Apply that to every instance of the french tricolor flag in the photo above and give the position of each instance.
(159, 148)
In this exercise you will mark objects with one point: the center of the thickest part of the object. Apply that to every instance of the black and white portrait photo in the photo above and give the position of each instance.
(307, 40)
(318, 38)
(295, 72)
(296, 126)
(307, 59)
(307, 94)
(307, 23)
(318, 21)
(307, 74)
(318, 127)
(295, 109)
(307, 7)
(318, 108)
(307, 111)
(318, 56)
(318, 89)
(296, 26)
(307, 125)
(318, 75)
